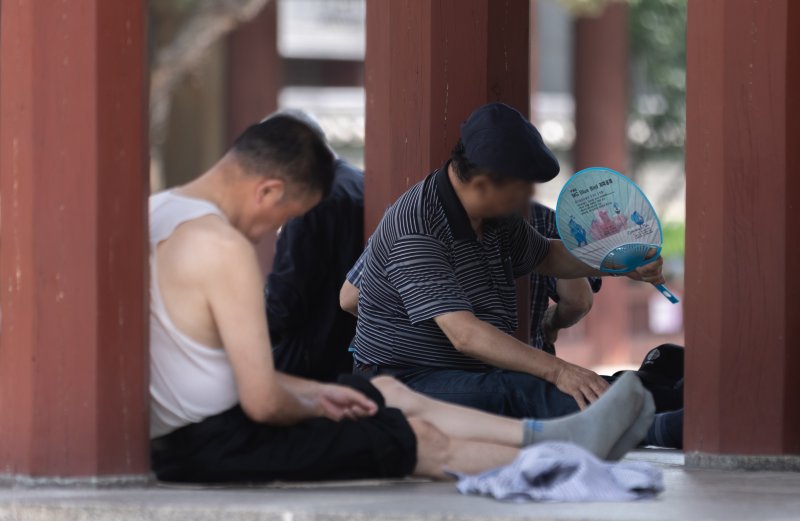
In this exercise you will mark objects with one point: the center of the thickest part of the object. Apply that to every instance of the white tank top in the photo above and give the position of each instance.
(188, 380)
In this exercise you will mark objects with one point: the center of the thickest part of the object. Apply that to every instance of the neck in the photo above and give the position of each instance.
(214, 186)
(475, 220)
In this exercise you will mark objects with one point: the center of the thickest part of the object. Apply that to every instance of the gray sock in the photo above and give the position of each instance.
(635, 435)
(598, 427)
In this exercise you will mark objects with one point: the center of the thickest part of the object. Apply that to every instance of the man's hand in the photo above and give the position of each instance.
(338, 402)
(651, 273)
(582, 384)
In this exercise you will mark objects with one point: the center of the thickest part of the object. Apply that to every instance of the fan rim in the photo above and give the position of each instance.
(590, 170)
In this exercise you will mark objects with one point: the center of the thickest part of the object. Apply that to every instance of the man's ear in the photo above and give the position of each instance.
(270, 191)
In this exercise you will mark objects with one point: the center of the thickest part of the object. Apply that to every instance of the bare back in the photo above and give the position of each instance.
(209, 341)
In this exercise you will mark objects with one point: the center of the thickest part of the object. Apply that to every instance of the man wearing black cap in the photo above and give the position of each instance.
(437, 301)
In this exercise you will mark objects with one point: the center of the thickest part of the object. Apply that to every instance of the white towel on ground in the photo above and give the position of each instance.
(560, 471)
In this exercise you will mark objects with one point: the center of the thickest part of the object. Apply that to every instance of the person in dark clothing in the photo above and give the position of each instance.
(312, 256)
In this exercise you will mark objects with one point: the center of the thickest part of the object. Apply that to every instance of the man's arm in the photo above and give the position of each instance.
(562, 264)
(575, 299)
(348, 298)
(419, 269)
(237, 307)
(348, 295)
(481, 340)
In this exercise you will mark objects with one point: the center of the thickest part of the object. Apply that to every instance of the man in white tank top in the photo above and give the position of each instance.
(220, 412)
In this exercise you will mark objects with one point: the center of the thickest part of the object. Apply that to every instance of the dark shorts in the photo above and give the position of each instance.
(230, 447)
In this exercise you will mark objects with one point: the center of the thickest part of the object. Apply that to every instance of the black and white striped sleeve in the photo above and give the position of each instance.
(418, 268)
(356, 273)
(528, 247)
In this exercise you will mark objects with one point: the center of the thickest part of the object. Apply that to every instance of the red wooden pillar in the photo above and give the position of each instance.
(533, 60)
(73, 244)
(255, 78)
(601, 117)
(428, 66)
(742, 249)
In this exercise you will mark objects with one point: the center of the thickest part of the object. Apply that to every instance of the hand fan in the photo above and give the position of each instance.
(606, 221)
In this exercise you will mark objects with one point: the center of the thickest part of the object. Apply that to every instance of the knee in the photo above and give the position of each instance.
(433, 449)
(397, 394)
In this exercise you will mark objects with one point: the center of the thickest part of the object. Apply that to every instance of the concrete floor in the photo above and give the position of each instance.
(690, 495)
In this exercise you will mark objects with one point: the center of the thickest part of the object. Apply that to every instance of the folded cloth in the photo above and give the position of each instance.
(560, 471)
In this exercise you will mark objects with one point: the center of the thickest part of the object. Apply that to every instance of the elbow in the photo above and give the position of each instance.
(262, 411)
(462, 329)
(584, 303)
(349, 306)
(579, 305)
(461, 338)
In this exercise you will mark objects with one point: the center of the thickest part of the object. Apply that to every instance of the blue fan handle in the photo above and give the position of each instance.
(667, 293)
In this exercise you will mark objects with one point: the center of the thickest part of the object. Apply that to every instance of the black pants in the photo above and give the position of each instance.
(508, 393)
(230, 447)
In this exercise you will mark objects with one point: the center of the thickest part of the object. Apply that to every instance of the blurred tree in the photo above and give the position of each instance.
(586, 7)
(658, 47)
(657, 30)
(181, 33)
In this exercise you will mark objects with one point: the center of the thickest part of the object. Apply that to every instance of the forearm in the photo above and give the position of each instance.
(564, 316)
(289, 401)
(575, 300)
(485, 342)
(561, 264)
(299, 387)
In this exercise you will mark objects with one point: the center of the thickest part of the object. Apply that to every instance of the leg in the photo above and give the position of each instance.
(453, 420)
(507, 393)
(438, 453)
(666, 430)
(230, 447)
(598, 429)
(637, 432)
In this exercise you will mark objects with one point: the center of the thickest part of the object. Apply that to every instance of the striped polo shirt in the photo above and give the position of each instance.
(425, 260)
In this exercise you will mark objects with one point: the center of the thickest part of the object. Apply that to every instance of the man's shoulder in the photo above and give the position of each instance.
(208, 242)
(348, 182)
(541, 210)
(543, 219)
(412, 211)
(348, 170)
(409, 216)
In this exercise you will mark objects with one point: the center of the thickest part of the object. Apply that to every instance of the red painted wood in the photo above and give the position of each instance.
(533, 63)
(601, 89)
(73, 184)
(791, 389)
(428, 66)
(255, 78)
(742, 257)
(601, 117)
(255, 71)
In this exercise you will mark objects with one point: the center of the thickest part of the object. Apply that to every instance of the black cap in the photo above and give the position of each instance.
(663, 364)
(499, 138)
